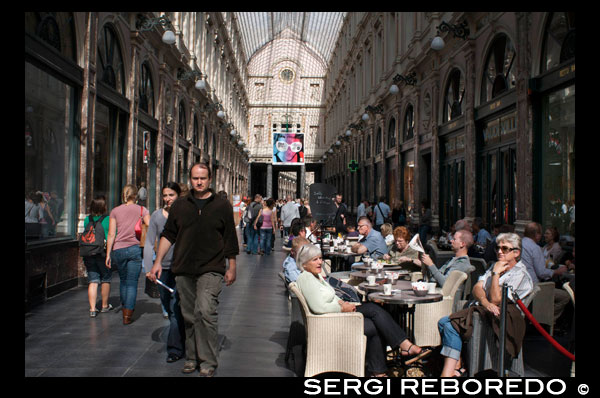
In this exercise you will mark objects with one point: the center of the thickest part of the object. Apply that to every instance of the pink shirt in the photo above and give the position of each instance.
(126, 217)
(267, 222)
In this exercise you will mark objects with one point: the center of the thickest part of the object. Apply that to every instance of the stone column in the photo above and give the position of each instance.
(269, 180)
(302, 180)
(470, 133)
(435, 150)
(524, 126)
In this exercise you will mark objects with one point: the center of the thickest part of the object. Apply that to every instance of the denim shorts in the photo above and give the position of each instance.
(97, 270)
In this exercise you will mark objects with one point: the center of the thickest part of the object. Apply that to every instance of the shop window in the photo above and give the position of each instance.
(196, 136)
(50, 129)
(111, 70)
(205, 144)
(409, 123)
(378, 141)
(559, 40)
(453, 97)
(146, 90)
(368, 147)
(499, 70)
(558, 160)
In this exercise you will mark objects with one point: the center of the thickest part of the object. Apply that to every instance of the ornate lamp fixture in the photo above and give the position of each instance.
(144, 24)
(372, 109)
(216, 106)
(185, 75)
(460, 31)
(410, 80)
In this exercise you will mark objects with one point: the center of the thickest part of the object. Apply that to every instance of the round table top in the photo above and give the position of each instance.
(327, 253)
(379, 276)
(405, 297)
(399, 285)
(390, 267)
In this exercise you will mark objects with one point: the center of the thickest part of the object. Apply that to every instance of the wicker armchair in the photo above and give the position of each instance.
(335, 342)
(481, 351)
(428, 315)
(542, 306)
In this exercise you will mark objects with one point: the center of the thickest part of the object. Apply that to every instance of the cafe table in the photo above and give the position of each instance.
(339, 258)
(406, 300)
(379, 275)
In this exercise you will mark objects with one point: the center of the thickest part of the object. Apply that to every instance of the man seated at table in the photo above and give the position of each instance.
(372, 243)
(290, 269)
(351, 229)
(312, 227)
(296, 229)
(461, 241)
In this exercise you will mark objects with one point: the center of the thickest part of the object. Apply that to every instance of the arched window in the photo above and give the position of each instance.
(214, 146)
(146, 91)
(391, 138)
(378, 141)
(498, 73)
(409, 123)
(182, 121)
(453, 97)
(205, 145)
(55, 28)
(110, 61)
(559, 40)
(196, 137)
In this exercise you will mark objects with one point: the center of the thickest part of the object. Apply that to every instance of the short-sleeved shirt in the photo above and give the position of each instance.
(518, 278)
(375, 243)
(126, 217)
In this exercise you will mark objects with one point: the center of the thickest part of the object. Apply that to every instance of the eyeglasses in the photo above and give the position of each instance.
(506, 249)
(283, 146)
(362, 225)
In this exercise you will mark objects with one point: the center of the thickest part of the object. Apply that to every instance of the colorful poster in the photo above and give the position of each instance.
(288, 148)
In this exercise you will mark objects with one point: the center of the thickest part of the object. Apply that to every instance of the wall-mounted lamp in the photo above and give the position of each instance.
(185, 75)
(358, 126)
(325, 156)
(409, 80)
(330, 150)
(460, 31)
(348, 133)
(215, 106)
(338, 143)
(144, 24)
(372, 109)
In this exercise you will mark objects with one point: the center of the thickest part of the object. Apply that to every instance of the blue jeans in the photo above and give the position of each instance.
(170, 302)
(451, 340)
(128, 261)
(252, 245)
(265, 240)
(97, 270)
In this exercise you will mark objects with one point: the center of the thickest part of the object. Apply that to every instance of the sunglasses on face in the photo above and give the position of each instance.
(506, 249)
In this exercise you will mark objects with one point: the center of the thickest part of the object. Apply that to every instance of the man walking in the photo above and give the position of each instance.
(289, 211)
(340, 215)
(202, 225)
(382, 211)
(253, 233)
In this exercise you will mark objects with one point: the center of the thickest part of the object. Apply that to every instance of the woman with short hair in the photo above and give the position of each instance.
(123, 247)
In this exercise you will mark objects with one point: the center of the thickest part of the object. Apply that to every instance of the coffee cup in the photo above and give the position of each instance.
(331, 249)
(431, 287)
(371, 280)
(387, 289)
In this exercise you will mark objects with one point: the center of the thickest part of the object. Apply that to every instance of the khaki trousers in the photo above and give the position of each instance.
(199, 298)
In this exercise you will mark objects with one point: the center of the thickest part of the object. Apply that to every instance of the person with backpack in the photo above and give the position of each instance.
(91, 248)
(252, 229)
(123, 247)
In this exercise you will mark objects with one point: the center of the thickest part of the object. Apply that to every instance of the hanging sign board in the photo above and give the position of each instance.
(288, 148)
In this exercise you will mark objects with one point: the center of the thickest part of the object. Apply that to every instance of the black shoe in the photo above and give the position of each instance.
(173, 358)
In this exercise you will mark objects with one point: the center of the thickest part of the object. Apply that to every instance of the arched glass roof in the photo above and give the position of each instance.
(319, 30)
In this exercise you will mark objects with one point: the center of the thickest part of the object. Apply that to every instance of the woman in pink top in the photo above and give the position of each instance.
(123, 248)
(268, 226)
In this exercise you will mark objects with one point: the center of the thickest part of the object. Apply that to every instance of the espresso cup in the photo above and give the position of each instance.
(387, 289)
(431, 287)
(371, 280)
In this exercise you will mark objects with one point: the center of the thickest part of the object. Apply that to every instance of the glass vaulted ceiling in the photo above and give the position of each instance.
(319, 30)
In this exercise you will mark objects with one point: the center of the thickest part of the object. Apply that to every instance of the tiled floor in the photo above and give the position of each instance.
(62, 340)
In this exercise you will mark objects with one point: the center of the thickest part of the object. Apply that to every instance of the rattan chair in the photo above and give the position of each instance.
(428, 315)
(481, 351)
(542, 306)
(567, 287)
(334, 342)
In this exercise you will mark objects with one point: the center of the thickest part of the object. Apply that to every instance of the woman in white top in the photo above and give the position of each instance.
(552, 249)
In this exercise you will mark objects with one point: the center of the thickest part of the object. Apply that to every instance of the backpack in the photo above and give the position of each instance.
(91, 241)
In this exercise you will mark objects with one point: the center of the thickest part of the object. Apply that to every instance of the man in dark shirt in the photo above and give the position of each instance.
(202, 225)
(340, 214)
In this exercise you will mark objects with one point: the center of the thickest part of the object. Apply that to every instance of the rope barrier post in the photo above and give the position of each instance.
(502, 330)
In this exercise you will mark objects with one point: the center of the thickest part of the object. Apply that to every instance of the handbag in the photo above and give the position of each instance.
(151, 289)
(343, 290)
(138, 226)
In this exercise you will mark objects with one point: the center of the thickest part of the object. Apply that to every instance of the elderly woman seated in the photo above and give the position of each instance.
(401, 252)
(379, 327)
(488, 295)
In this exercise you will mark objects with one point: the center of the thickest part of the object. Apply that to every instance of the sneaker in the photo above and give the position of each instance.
(94, 313)
(109, 308)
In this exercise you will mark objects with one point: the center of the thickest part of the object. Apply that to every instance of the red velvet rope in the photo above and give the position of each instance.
(539, 327)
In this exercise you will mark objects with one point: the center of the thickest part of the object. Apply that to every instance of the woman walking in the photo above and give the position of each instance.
(123, 247)
(170, 301)
(268, 227)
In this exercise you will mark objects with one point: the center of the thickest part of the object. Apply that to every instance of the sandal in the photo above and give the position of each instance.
(461, 372)
(414, 357)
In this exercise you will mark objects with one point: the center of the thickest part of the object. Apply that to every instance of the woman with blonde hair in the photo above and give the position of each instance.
(123, 247)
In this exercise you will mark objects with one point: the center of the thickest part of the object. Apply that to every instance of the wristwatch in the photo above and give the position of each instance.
(495, 273)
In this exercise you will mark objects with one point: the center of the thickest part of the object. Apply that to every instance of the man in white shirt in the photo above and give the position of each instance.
(289, 211)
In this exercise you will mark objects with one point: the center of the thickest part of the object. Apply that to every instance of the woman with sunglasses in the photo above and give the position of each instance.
(488, 293)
